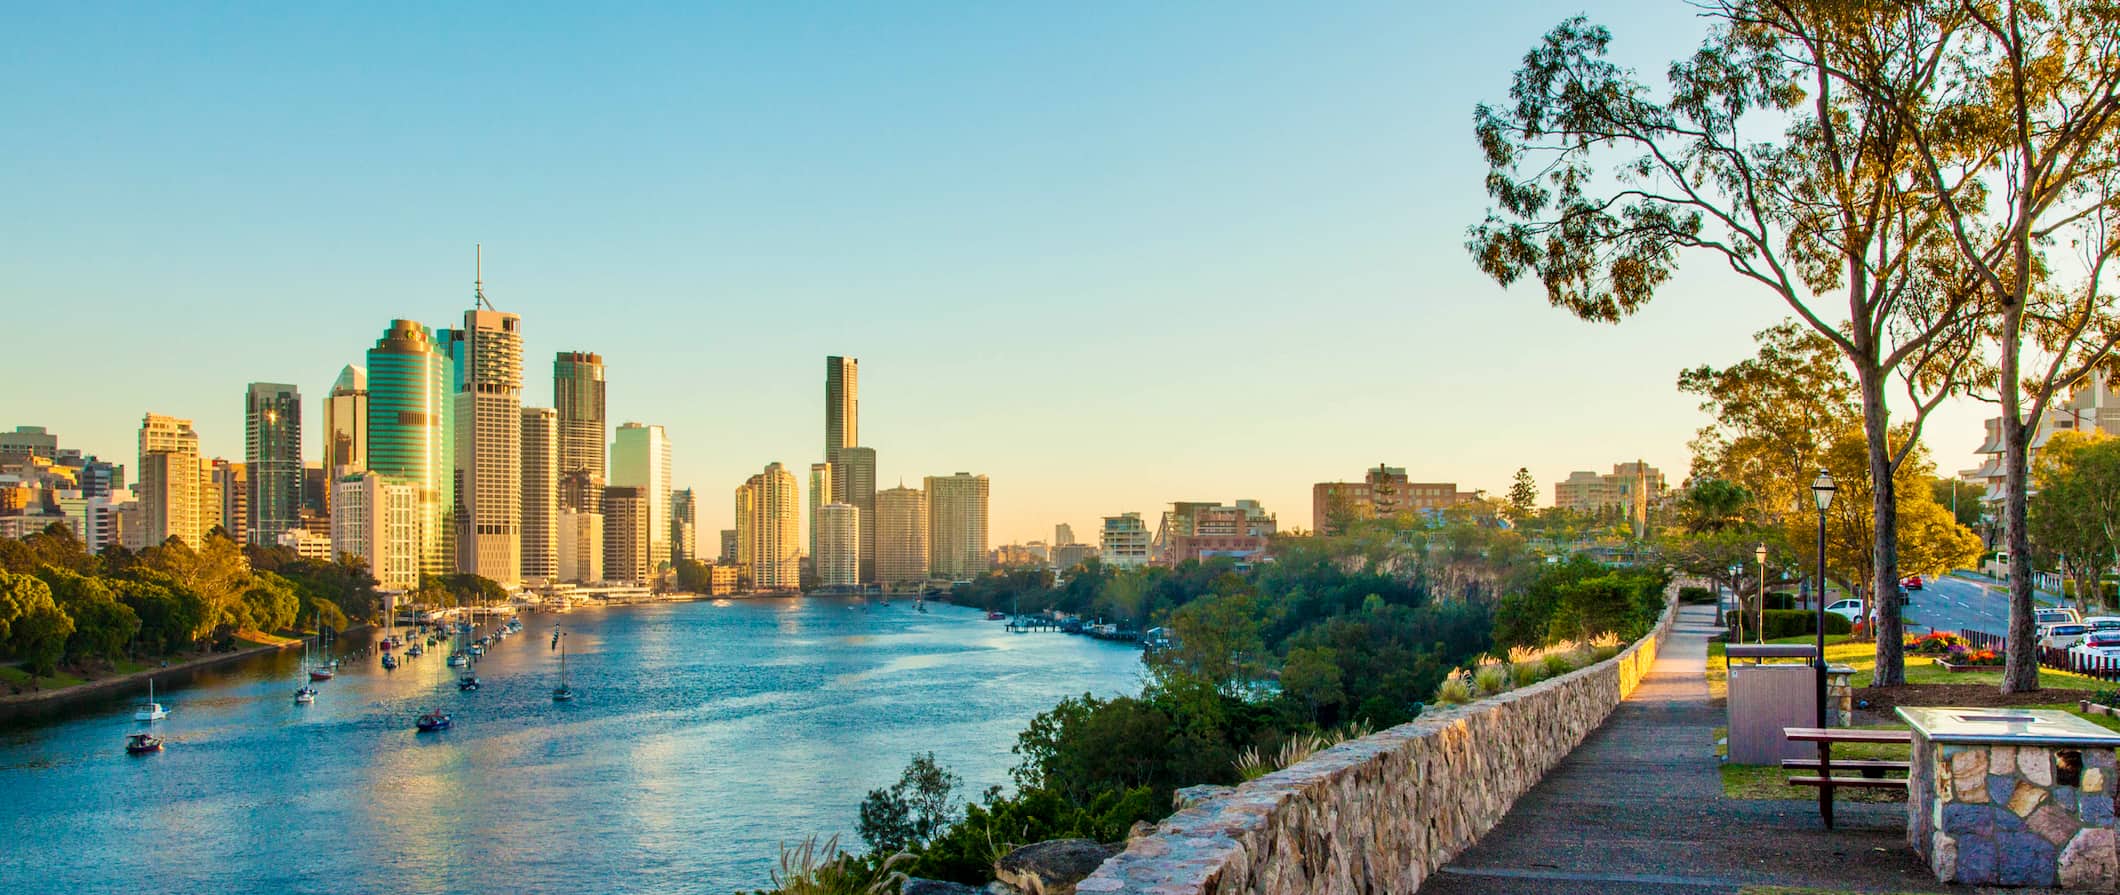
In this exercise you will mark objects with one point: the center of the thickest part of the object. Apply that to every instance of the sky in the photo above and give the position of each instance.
(1109, 255)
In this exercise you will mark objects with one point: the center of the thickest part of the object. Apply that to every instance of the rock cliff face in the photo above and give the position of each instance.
(1050, 868)
(1381, 813)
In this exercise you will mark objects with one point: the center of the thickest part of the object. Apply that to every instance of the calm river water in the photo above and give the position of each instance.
(703, 736)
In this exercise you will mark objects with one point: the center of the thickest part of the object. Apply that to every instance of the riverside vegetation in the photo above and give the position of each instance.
(1338, 637)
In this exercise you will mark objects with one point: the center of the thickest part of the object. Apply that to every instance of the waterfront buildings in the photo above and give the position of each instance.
(1123, 542)
(1383, 493)
(838, 545)
(626, 534)
(1242, 530)
(407, 382)
(579, 553)
(272, 451)
(229, 484)
(640, 458)
(540, 494)
(1033, 555)
(728, 547)
(346, 425)
(306, 544)
(378, 520)
(578, 395)
(487, 368)
(854, 475)
(957, 526)
(684, 526)
(820, 494)
(170, 481)
(768, 529)
(901, 536)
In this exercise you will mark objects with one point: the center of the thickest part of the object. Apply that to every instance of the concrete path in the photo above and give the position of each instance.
(1638, 807)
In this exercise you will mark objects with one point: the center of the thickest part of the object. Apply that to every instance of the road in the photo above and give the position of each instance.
(1953, 603)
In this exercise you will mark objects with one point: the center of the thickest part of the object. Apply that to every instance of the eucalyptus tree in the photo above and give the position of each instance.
(1778, 150)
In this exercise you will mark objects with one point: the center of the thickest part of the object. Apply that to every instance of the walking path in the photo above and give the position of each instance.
(1638, 807)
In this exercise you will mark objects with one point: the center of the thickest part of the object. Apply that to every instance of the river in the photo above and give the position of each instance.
(705, 734)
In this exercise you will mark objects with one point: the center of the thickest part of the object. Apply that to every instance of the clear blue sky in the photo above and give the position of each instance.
(1111, 255)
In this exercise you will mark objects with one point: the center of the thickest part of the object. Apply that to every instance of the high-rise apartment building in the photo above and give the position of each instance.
(578, 395)
(378, 520)
(346, 425)
(231, 489)
(210, 516)
(838, 545)
(1123, 541)
(901, 536)
(684, 525)
(1063, 535)
(540, 494)
(272, 449)
(769, 530)
(580, 550)
(855, 475)
(640, 458)
(170, 484)
(957, 511)
(408, 382)
(487, 356)
(100, 478)
(842, 407)
(626, 528)
(728, 546)
(820, 494)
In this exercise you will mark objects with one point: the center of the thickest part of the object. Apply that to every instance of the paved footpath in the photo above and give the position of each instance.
(1638, 807)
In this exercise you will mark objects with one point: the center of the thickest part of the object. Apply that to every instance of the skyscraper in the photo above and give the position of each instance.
(272, 449)
(1063, 535)
(231, 487)
(406, 410)
(957, 526)
(581, 545)
(169, 481)
(346, 425)
(901, 536)
(488, 366)
(540, 494)
(578, 395)
(640, 458)
(684, 526)
(820, 494)
(838, 545)
(842, 406)
(626, 529)
(769, 531)
(379, 521)
(856, 475)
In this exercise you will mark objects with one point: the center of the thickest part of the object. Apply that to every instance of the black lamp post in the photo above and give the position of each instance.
(1821, 491)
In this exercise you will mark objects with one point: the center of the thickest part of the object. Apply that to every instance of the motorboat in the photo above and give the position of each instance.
(320, 673)
(305, 696)
(468, 683)
(459, 659)
(143, 743)
(432, 721)
(415, 651)
(389, 661)
(150, 711)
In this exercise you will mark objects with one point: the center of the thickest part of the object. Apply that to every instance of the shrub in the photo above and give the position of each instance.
(1490, 679)
(2107, 697)
(1453, 691)
(1779, 623)
(1696, 595)
(1557, 664)
(1528, 673)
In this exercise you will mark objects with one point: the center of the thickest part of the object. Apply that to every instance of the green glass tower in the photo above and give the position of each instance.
(408, 431)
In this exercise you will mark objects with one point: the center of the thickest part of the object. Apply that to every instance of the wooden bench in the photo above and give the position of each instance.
(1872, 771)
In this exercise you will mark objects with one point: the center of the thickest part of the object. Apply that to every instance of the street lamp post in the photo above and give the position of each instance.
(1821, 491)
(1736, 571)
(1761, 555)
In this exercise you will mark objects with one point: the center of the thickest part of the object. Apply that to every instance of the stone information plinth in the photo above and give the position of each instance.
(2012, 797)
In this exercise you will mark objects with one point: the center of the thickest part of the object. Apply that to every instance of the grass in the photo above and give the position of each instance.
(1862, 656)
(11, 674)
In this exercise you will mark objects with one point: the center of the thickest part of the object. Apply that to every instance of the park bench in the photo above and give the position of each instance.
(1872, 771)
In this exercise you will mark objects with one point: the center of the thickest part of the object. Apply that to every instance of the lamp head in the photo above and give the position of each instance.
(1761, 554)
(1822, 490)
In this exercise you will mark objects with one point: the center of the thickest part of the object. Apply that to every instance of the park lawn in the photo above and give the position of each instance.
(1862, 656)
(13, 674)
(1741, 781)
(249, 638)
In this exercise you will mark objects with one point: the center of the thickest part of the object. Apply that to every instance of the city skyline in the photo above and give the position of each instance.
(1003, 246)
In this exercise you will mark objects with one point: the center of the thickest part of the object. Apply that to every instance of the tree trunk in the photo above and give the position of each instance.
(1884, 512)
(2020, 671)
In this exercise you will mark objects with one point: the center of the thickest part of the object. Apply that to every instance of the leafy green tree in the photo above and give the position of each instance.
(1930, 541)
(1523, 497)
(1311, 677)
(20, 595)
(1218, 643)
(1964, 499)
(170, 616)
(909, 813)
(2075, 516)
(39, 637)
(103, 627)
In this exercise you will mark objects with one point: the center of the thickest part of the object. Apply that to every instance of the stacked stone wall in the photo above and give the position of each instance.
(1379, 814)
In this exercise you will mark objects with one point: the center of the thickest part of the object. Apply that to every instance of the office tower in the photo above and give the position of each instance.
(626, 531)
(29, 441)
(684, 530)
(346, 426)
(820, 494)
(231, 489)
(210, 516)
(728, 546)
(842, 406)
(578, 395)
(855, 472)
(957, 526)
(838, 545)
(316, 494)
(540, 493)
(901, 536)
(581, 545)
(379, 521)
(487, 359)
(640, 458)
(272, 449)
(169, 481)
(769, 531)
(101, 479)
(407, 426)
(1063, 535)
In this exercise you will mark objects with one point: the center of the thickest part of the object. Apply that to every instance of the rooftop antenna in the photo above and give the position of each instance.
(478, 276)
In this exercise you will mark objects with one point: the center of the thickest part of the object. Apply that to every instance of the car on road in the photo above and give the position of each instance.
(1847, 609)
(2064, 636)
(1912, 582)
(2100, 645)
(2103, 622)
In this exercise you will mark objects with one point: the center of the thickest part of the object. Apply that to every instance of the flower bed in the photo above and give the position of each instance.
(1960, 657)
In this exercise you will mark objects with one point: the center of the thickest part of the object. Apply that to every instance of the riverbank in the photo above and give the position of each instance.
(17, 704)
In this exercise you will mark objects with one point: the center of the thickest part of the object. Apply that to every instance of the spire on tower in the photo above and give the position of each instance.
(478, 276)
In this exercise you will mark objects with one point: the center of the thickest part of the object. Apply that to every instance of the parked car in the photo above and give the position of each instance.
(2048, 617)
(2103, 623)
(1847, 609)
(2065, 635)
(1912, 582)
(2100, 644)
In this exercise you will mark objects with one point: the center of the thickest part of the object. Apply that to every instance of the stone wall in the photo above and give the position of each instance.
(1989, 815)
(1381, 813)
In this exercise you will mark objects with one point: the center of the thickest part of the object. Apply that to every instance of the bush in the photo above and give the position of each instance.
(1490, 679)
(1557, 664)
(1528, 673)
(1780, 600)
(1696, 596)
(1453, 691)
(1779, 623)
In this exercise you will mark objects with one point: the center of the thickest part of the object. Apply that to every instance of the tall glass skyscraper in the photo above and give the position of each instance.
(406, 414)
(842, 407)
(272, 449)
(640, 458)
(578, 395)
(488, 364)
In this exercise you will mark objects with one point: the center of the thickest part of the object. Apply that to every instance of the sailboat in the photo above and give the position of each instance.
(320, 670)
(305, 695)
(561, 693)
(432, 721)
(150, 711)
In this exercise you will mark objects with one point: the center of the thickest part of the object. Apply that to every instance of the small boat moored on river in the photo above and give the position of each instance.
(142, 743)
